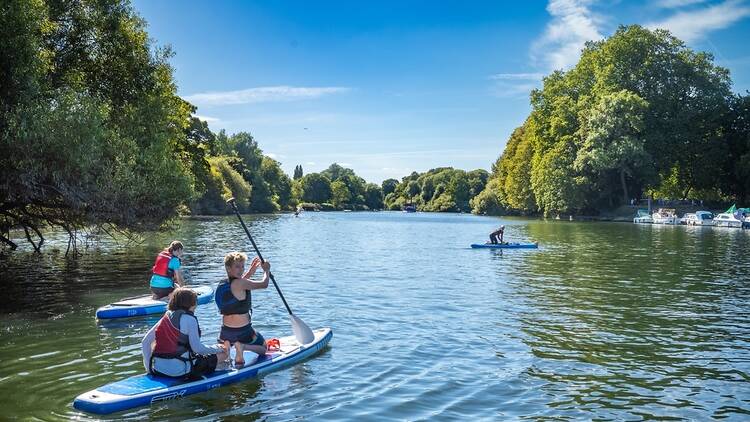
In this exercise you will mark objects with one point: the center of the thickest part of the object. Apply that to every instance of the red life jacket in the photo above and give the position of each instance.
(161, 265)
(170, 342)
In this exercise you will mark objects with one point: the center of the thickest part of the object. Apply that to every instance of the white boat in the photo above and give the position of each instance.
(699, 218)
(643, 217)
(665, 216)
(726, 219)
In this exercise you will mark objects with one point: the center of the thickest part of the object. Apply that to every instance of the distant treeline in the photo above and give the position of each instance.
(639, 115)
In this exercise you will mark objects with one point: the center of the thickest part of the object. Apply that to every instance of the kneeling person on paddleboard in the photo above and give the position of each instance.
(234, 300)
(173, 347)
(166, 271)
(497, 233)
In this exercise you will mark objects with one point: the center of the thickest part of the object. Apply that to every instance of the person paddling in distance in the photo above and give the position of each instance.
(234, 300)
(172, 347)
(166, 271)
(497, 234)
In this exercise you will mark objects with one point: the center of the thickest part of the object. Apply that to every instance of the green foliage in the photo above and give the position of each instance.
(316, 188)
(340, 193)
(373, 196)
(278, 181)
(487, 201)
(388, 186)
(298, 172)
(640, 112)
(90, 123)
(441, 189)
(234, 185)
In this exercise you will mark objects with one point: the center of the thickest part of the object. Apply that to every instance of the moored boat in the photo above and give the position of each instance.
(666, 216)
(643, 217)
(726, 219)
(699, 218)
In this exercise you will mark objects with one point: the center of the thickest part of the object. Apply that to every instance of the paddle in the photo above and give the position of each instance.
(302, 332)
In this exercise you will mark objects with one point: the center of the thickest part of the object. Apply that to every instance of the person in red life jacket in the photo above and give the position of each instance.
(173, 348)
(234, 300)
(166, 271)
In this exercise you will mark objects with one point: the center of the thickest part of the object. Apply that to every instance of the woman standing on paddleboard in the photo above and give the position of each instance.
(234, 300)
(166, 271)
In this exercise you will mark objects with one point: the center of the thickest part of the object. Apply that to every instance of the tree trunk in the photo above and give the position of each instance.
(624, 187)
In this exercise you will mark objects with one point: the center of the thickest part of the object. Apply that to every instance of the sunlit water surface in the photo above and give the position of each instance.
(606, 321)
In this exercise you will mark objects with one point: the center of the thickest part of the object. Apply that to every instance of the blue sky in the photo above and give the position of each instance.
(390, 87)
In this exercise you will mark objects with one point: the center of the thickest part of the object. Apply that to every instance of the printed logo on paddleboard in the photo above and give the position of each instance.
(170, 396)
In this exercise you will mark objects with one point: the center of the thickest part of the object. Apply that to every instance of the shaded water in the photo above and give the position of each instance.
(606, 320)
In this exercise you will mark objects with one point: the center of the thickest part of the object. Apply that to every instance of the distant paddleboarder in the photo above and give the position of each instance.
(497, 234)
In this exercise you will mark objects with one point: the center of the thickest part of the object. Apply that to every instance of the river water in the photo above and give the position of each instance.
(605, 321)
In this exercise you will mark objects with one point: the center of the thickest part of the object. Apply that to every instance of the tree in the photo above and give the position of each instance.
(298, 172)
(278, 182)
(487, 201)
(236, 185)
(316, 188)
(614, 138)
(639, 111)
(439, 189)
(373, 196)
(339, 193)
(89, 121)
(389, 185)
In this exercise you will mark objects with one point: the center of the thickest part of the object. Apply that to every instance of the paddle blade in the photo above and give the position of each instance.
(302, 332)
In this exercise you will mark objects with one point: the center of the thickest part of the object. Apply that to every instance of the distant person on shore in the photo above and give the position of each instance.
(234, 300)
(166, 271)
(497, 234)
(173, 347)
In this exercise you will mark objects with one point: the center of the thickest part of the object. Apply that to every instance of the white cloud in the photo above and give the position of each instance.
(310, 163)
(572, 25)
(673, 4)
(207, 119)
(262, 94)
(517, 76)
(693, 25)
(515, 84)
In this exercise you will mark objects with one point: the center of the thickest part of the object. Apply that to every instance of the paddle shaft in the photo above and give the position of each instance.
(257, 251)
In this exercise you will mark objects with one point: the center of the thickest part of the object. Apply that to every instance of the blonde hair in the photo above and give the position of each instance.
(176, 245)
(233, 257)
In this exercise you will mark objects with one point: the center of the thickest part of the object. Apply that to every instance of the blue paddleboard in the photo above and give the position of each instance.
(505, 245)
(145, 305)
(143, 390)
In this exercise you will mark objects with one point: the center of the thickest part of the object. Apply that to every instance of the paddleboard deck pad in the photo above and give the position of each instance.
(146, 305)
(143, 390)
(505, 245)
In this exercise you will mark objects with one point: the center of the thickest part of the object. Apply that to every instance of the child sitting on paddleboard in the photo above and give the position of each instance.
(234, 300)
(173, 347)
(166, 271)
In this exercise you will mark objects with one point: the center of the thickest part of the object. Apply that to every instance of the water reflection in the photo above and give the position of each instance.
(604, 321)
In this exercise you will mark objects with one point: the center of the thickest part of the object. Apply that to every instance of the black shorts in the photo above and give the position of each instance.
(203, 365)
(161, 292)
(244, 335)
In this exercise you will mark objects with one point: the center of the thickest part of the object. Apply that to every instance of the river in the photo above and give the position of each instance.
(605, 321)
